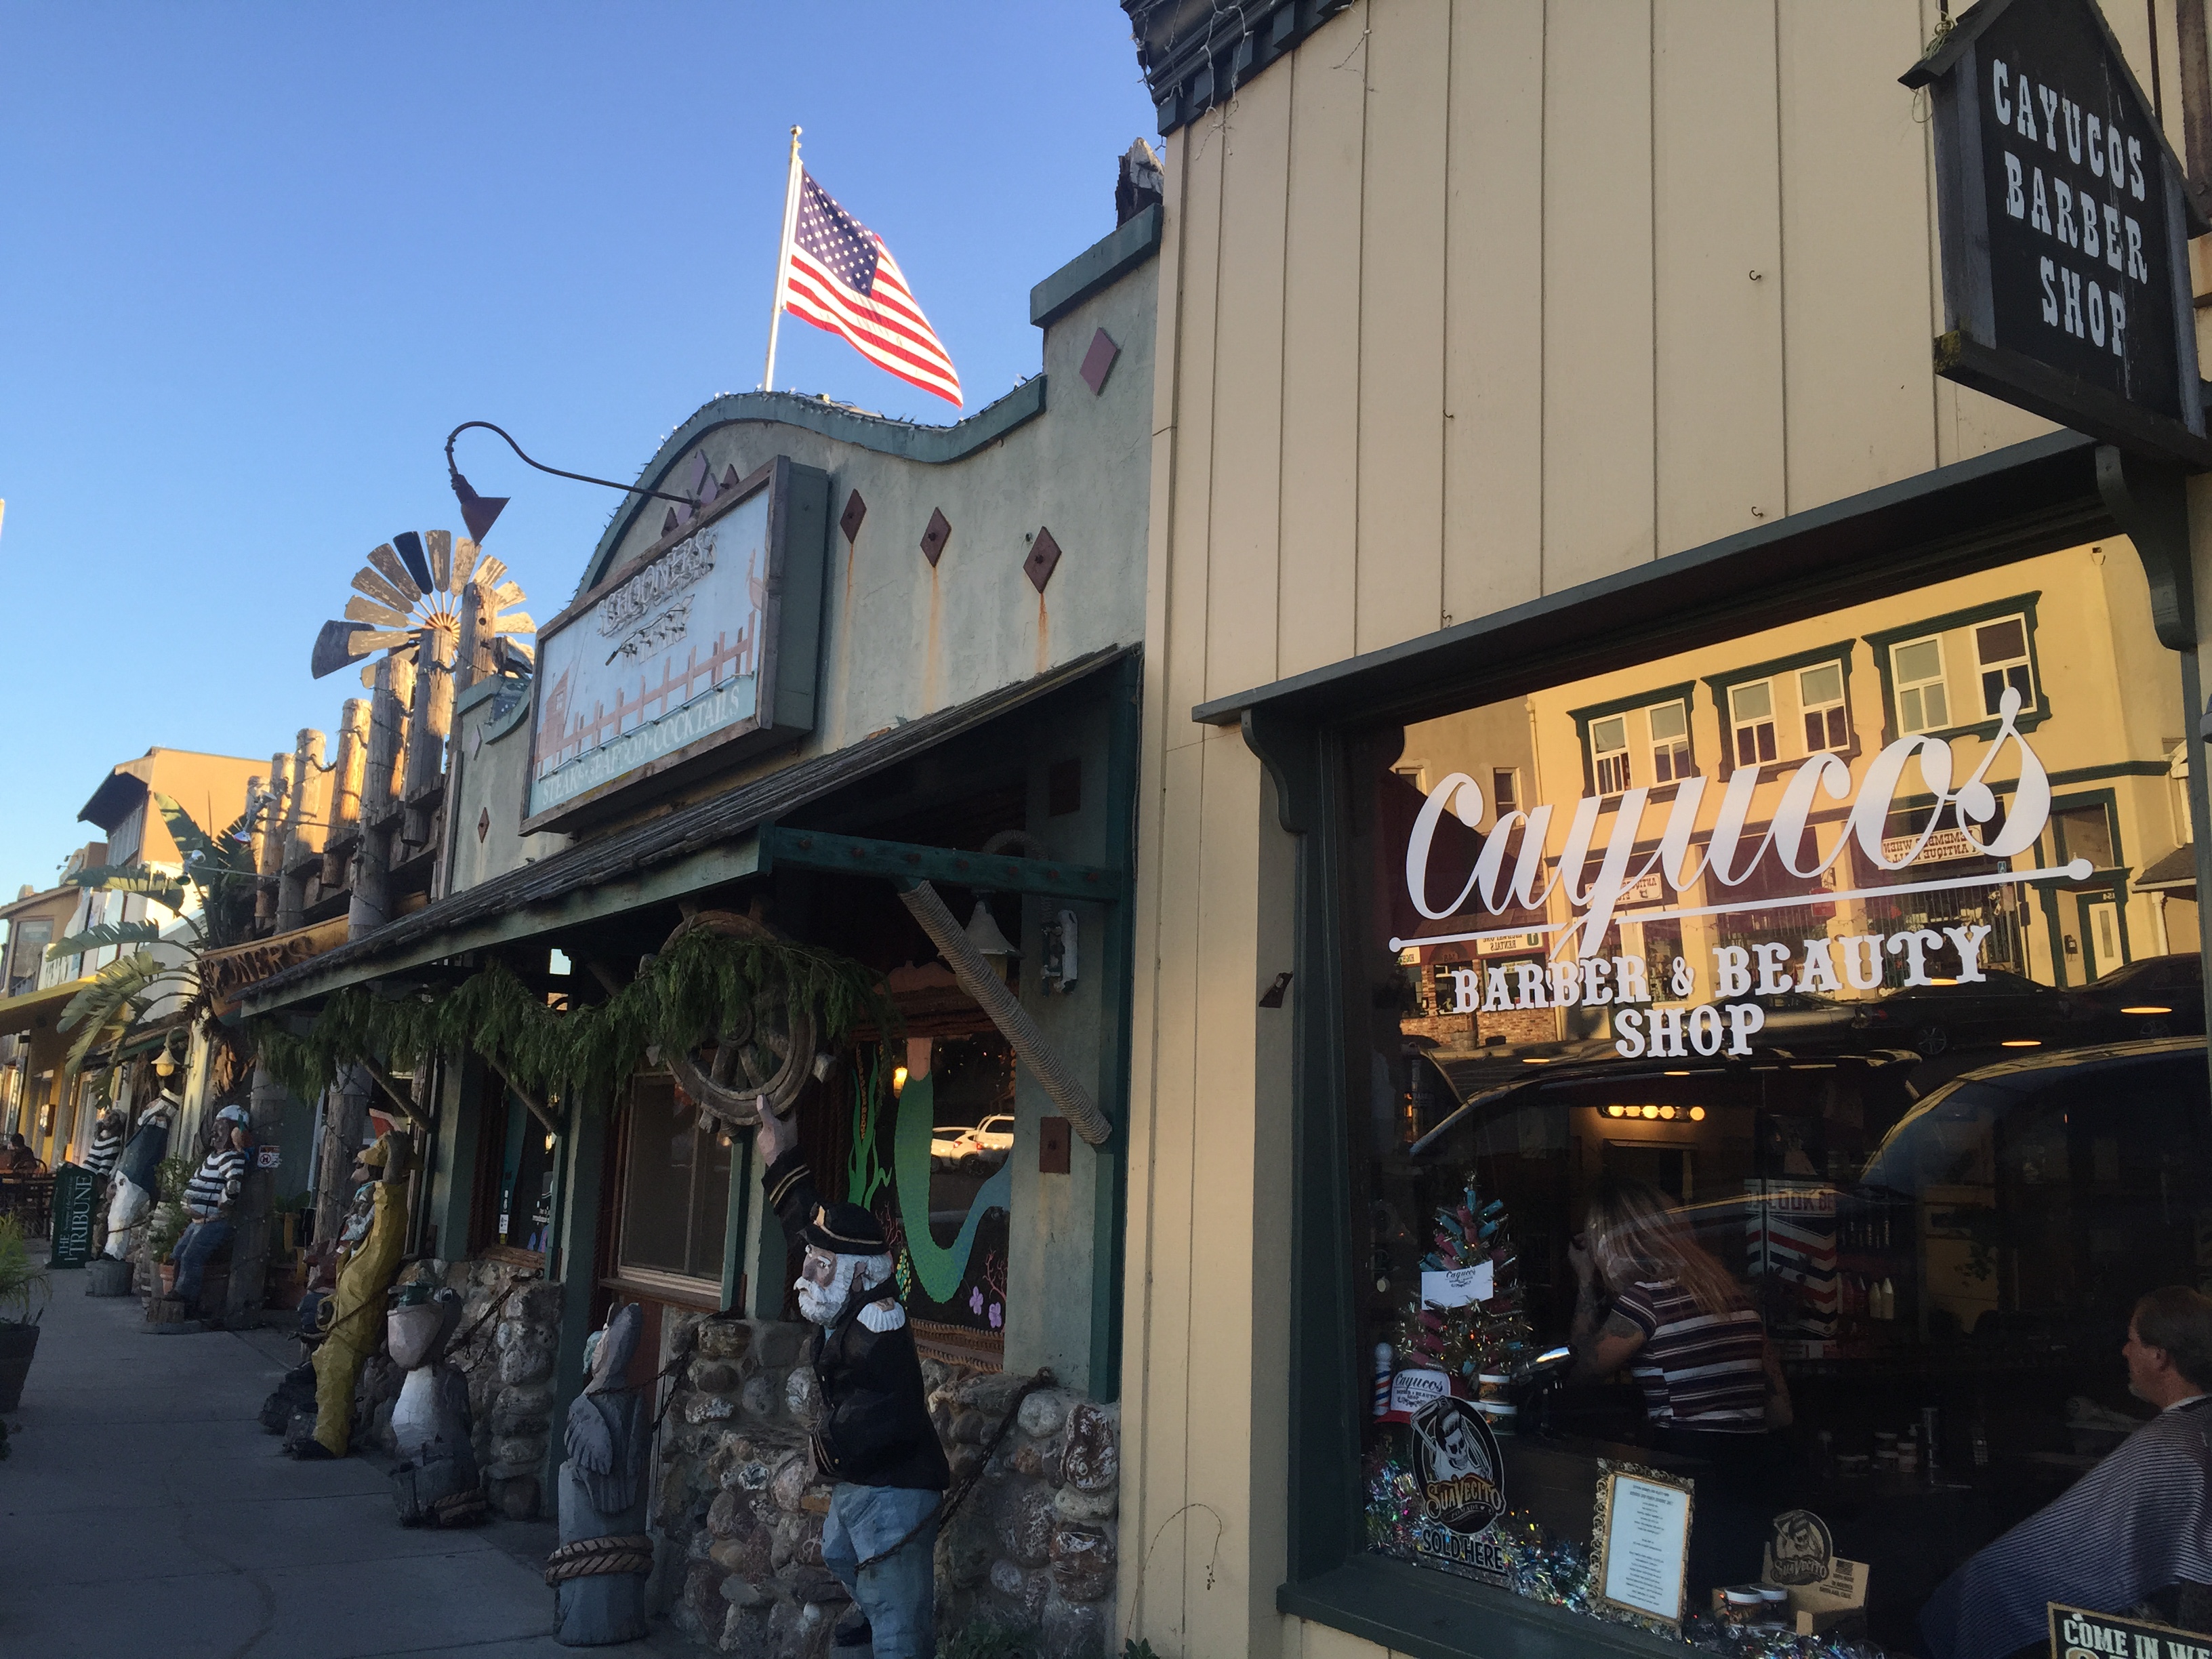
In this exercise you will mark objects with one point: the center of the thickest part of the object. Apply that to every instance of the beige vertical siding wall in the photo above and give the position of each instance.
(1468, 302)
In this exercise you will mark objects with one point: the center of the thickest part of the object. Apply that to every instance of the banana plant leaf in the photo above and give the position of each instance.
(226, 855)
(156, 884)
(105, 933)
(106, 1011)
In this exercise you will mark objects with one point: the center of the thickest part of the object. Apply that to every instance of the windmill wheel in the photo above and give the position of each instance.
(763, 1061)
(415, 581)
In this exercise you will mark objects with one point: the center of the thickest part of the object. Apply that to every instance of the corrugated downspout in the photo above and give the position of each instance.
(1029, 1044)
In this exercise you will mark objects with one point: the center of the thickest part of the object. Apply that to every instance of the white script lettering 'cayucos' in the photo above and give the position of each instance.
(1730, 855)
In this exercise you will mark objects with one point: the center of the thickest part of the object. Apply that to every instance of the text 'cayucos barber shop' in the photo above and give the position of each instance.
(842, 745)
(1671, 970)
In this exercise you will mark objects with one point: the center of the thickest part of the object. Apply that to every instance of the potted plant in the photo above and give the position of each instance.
(19, 1281)
(169, 1220)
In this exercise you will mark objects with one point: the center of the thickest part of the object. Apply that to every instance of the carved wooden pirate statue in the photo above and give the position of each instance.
(211, 1200)
(133, 1187)
(356, 1307)
(598, 1572)
(435, 1482)
(875, 1439)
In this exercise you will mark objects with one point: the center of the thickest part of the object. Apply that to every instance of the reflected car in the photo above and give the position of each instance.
(2000, 1007)
(1802, 1021)
(2152, 997)
(2017, 1166)
(989, 1142)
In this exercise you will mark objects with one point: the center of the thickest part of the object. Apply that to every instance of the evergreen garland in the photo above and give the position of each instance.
(703, 985)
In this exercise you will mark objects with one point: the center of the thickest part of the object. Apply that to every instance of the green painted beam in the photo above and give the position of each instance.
(731, 860)
(899, 861)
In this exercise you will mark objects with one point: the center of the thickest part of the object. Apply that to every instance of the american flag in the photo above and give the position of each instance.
(842, 277)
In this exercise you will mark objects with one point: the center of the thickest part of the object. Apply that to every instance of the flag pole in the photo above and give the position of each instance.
(782, 261)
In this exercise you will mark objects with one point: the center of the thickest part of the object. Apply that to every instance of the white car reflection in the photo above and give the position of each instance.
(985, 1146)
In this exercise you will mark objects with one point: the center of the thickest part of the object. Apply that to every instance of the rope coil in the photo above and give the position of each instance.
(594, 1558)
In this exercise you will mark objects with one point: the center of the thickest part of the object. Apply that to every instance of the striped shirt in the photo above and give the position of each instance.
(217, 1183)
(1697, 1370)
(107, 1147)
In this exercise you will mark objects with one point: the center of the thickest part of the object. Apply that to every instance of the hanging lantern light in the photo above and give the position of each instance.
(983, 934)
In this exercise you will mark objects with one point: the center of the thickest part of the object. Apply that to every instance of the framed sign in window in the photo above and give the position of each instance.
(702, 650)
(2065, 222)
(1640, 1544)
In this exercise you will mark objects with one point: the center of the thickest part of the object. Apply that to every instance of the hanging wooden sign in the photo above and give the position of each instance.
(2064, 221)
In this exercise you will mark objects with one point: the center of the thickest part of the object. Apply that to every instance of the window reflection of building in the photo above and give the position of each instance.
(1773, 698)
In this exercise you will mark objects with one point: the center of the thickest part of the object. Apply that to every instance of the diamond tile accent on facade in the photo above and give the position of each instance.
(849, 520)
(1098, 362)
(934, 537)
(1043, 559)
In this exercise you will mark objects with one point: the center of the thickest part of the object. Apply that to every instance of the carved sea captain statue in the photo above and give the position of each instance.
(875, 1438)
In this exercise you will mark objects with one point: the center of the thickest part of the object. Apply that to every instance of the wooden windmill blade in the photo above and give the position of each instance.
(465, 554)
(369, 582)
(408, 546)
(489, 572)
(387, 562)
(334, 648)
(506, 593)
(377, 615)
(439, 543)
(519, 623)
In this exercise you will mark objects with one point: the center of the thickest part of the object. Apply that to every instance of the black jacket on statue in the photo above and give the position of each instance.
(875, 1428)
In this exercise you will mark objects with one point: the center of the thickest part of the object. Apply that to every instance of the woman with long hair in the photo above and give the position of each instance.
(1655, 1302)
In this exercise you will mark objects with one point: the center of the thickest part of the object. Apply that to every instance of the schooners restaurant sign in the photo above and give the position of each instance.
(1513, 871)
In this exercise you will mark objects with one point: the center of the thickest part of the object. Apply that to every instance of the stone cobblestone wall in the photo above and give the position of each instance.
(738, 1509)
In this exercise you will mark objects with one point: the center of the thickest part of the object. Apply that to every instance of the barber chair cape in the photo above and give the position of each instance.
(2133, 1526)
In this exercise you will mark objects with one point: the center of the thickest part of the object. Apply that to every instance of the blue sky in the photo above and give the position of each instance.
(256, 260)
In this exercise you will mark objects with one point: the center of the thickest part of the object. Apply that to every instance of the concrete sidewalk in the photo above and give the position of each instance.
(143, 1510)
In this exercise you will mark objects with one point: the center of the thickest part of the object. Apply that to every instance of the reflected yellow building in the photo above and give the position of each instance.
(2068, 634)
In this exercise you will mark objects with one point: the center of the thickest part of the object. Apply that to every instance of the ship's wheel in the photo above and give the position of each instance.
(415, 581)
(760, 1063)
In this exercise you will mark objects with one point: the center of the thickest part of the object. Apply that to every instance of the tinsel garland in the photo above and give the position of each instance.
(1555, 1571)
(703, 985)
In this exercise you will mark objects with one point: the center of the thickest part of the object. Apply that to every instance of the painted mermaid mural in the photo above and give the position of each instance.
(960, 1281)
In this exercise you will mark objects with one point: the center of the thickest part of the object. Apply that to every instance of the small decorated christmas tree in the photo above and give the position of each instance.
(1490, 1335)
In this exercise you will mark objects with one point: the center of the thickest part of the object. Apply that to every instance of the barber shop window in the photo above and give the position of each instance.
(1806, 1136)
(676, 1186)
